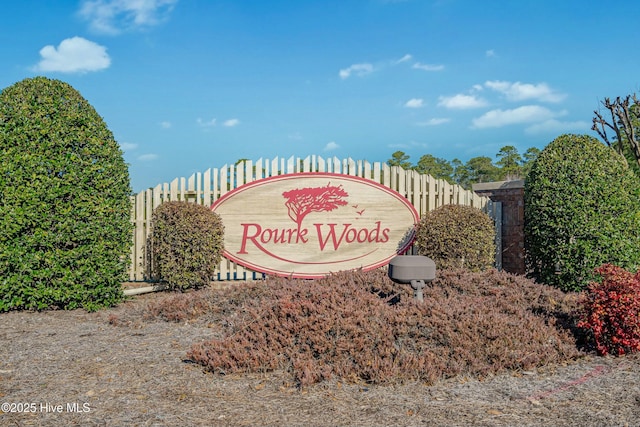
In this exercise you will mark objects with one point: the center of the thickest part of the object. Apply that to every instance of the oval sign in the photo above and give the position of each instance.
(309, 225)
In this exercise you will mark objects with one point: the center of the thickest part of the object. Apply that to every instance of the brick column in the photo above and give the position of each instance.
(511, 194)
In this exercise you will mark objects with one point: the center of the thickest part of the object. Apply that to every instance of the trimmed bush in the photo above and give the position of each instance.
(185, 244)
(456, 236)
(610, 310)
(65, 233)
(582, 210)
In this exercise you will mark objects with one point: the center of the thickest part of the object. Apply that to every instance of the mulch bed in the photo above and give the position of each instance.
(73, 368)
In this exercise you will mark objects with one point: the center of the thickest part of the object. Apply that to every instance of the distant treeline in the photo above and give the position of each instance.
(509, 164)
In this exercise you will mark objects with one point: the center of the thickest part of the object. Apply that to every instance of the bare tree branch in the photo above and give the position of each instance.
(624, 115)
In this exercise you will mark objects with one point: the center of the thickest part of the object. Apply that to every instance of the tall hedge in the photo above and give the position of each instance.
(582, 209)
(65, 231)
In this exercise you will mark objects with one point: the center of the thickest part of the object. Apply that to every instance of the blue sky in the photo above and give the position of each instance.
(185, 85)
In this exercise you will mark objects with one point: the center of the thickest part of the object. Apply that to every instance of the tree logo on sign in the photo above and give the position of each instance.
(302, 201)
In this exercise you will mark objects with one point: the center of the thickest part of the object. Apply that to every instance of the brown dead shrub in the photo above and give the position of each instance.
(210, 305)
(362, 327)
(178, 307)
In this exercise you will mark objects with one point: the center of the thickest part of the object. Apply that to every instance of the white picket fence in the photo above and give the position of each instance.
(423, 191)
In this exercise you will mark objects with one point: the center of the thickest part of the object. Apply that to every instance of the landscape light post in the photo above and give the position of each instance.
(414, 270)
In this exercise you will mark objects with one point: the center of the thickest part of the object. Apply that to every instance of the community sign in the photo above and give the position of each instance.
(309, 225)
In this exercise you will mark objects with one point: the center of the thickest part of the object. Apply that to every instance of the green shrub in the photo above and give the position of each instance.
(65, 233)
(610, 311)
(456, 236)
(582, 210)
(185, 245)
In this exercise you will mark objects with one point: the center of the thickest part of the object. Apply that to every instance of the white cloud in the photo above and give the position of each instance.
(231, 123)
(396, 145)
(206, 123)
(427, 67)
(147, 157)
(74, 55)
(165, 124)
(434, 122)
(557, 127)
(412, 144)
(461, 102)
(522, 91)
(114, 16)
(414, 103)
(490, 53)
(524, 114)
(128, 146)
(357, 69)
(405, 58)
(214, 122)
(331, 146)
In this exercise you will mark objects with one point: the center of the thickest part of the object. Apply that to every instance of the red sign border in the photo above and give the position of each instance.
(361, 180)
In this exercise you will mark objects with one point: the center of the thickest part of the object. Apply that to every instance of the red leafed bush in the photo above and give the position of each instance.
(360, 326)
(610, 310)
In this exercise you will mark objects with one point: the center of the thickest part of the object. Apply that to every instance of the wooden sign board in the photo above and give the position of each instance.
(309, 225)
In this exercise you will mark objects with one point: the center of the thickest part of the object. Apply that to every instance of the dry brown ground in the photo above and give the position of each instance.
(136, 375)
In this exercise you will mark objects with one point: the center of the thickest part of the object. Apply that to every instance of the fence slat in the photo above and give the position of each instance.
(291, 165)
(336, 165)
(223, 184)
(376, 172)
(239, 179)
(366, 170)
(132, 258)
(207, 200)
(140, 235)
(431, 193)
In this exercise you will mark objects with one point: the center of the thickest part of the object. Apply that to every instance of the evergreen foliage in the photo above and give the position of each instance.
(510, 165)
(65, 231)
(582, 209)
(457, 236)
(185, 245)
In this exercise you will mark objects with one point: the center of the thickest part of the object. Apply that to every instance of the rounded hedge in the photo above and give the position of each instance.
(457, 236)
(582, 210)
(65, 234)
(185, 245)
